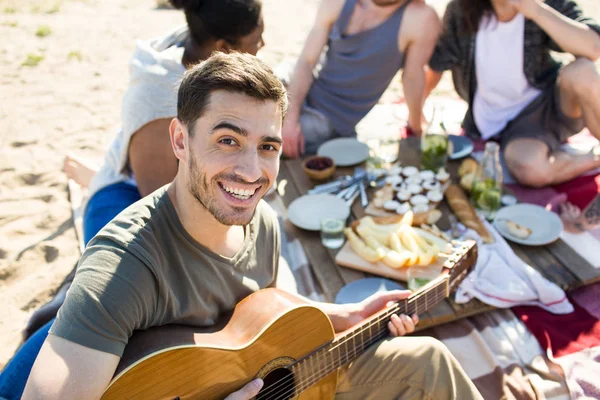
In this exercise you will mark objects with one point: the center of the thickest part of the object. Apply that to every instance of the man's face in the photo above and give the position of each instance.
(233, 156)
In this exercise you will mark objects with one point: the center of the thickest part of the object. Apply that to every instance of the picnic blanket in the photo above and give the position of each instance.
(571, 341)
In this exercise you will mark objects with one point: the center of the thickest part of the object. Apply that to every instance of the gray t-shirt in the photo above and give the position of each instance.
(143, 269)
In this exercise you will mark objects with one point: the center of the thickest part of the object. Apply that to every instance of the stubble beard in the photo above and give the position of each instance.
(200, 190)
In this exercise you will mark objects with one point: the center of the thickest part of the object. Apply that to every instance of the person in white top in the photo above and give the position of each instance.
(518, 93)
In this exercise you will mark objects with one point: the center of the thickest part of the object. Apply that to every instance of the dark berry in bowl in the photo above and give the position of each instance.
(319, 163)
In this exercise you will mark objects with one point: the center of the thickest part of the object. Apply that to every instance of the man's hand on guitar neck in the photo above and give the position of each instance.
(346, 316)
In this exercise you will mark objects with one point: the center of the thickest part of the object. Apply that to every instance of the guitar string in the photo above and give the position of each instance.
(352, 337)
(310, 380)
(392, 310)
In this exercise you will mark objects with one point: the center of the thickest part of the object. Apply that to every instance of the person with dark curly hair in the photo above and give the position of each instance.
(140, 159)
(518, 92)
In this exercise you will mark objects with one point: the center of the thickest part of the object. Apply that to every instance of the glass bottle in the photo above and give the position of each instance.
(487, 184)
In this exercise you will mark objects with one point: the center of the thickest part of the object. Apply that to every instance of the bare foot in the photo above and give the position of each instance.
(78, 169)
(576, 221)
(591, 214)
(571, 218)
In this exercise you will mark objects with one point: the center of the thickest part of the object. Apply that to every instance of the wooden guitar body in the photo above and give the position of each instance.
(267, 331)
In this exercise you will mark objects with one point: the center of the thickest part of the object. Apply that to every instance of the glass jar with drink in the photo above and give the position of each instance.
(434, 144)
(486, 194)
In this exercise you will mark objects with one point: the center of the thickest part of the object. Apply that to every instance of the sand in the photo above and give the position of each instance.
(63, 71)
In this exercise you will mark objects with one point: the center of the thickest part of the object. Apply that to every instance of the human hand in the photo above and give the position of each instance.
(529, 8)
(249, 391)
(293, 138)
(398, 325)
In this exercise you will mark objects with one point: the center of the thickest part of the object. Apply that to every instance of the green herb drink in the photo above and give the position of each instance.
(434, 151)
(486, 194)
(417, 283)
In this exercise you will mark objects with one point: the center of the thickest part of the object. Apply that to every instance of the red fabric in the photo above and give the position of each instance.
(562, 334)
(581, 190)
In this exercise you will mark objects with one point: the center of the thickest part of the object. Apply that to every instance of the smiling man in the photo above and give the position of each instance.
(190, 251)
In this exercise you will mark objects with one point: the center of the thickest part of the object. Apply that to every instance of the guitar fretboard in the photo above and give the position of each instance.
(351, 344)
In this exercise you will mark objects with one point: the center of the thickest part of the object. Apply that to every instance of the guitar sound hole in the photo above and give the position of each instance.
(279, 384)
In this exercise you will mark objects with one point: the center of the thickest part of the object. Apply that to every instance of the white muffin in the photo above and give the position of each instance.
(403, 195)
(419, 199)
(403, 208)
(414, 188)
(427, 175)
(410, 171)
(391, 205)
(435, 196)
(431, 185)
(421, 208)
(394, 179)
(442, 175)
(416, 178)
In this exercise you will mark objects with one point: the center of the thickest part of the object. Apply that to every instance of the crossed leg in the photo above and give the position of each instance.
(530, 160)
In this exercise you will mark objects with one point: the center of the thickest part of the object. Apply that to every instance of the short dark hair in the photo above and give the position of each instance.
(220, 19)
(233, 72)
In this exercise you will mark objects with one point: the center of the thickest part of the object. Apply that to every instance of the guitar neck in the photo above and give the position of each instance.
(353, 343)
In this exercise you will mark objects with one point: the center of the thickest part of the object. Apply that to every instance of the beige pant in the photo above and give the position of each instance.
(406, 368)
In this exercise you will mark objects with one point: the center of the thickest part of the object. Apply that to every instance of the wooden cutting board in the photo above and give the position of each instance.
(348, 258)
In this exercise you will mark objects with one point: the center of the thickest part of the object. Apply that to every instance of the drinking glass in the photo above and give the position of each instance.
(418, 276)
(434, 150)
(435, 142)
(332, 232)
(389, 148)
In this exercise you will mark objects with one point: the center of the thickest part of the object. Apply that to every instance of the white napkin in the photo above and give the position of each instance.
(501, 279)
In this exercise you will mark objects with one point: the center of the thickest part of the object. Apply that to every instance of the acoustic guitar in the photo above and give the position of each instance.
(272, 335)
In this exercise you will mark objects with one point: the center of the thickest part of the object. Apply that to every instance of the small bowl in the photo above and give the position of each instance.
(318, 174)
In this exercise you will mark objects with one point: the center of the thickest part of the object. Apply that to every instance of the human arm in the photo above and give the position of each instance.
(302, 77)
(101, 310)
(150, 156)
(432, 79)
(67, 370)
(566, 26)
(345, 316)
(447, 53)
(419, 44)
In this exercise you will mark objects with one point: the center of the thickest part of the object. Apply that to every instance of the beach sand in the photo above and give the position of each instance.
(63, 71)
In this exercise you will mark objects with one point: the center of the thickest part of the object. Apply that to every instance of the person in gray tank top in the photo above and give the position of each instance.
(367, 42)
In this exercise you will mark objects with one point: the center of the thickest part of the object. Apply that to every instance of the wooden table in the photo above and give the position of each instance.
(557, 262)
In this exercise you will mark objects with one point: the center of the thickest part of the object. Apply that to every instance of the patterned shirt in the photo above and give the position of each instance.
(455, 49)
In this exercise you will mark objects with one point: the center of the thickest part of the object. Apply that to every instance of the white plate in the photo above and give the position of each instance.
(306, 212)
(545, 225)
(344, 151)
(357, 291)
